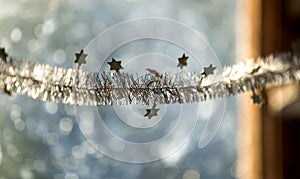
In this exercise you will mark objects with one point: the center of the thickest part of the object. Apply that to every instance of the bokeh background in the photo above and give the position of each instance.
(43, 140)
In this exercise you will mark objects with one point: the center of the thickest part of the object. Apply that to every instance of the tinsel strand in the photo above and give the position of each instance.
(77, 87)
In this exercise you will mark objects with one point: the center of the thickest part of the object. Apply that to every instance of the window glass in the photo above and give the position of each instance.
(45, 140)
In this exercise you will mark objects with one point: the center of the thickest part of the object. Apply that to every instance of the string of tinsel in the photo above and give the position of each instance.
(78, 87)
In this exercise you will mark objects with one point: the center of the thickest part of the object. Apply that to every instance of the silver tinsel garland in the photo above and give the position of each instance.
(77, 87)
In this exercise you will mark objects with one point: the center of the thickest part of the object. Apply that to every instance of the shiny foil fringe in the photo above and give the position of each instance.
(77, 87)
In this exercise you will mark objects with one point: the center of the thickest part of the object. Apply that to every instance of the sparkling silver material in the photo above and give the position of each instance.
(77, 87)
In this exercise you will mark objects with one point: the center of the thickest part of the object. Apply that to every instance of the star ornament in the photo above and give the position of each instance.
(208, 70)
(151, 112)
(3, 54)
(115, 65)
(182, 61)
(256, 99)
(80, 58)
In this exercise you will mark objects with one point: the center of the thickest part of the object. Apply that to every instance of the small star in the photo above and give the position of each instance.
(3, 54)
(256, 99)
(182, 61)
(80, 58)
(208, 70)
(151, 112)
(115, 65)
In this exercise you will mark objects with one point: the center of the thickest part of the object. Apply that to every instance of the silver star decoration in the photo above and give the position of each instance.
(3, 54)
(257, 99)
(151, 112)
(182, 61)
(208, 70)
(80, 58)
(115, 65)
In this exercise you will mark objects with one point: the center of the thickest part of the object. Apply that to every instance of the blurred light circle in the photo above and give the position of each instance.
(191, 174)
(59, 56)
(65, 125)
(51, 108)
(16, 34)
